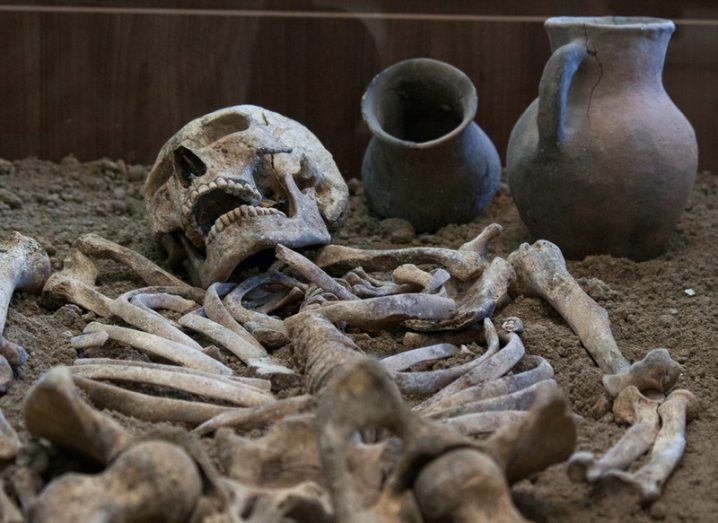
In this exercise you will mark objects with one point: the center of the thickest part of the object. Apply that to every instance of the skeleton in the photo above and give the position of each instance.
(244, 180)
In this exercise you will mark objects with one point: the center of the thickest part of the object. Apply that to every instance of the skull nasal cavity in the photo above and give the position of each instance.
(223, 125)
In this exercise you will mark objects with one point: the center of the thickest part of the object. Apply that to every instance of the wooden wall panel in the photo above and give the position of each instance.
(118, 82)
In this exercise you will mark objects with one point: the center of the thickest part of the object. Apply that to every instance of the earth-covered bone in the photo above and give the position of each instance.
(241, 180)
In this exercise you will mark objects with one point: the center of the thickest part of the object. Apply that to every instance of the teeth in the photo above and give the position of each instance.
(221, 183)
(212, 186)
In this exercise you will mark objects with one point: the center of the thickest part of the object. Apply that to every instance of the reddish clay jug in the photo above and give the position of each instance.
(603, 161)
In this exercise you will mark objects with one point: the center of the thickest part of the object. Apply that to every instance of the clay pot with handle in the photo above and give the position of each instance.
(603, 161)
(428, 162)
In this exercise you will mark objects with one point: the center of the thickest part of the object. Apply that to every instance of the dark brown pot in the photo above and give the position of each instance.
(603, 161)
(428, 162)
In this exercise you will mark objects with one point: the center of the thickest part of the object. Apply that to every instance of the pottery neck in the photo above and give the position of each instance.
(628, 50)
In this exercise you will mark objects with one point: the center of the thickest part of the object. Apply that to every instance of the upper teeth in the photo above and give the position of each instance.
(242, 212)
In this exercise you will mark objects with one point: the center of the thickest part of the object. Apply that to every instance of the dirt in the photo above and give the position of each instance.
(648, 304)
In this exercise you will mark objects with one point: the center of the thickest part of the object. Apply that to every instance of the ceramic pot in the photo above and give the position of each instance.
(428, 162)
(603, 161)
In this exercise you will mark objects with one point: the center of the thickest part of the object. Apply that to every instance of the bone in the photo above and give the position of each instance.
(159, 347)
(6, 375)
(24, 266)
(513, 324)
(75, 283)
(217, 312)
(463, 264)
(409, 358)
(410, 274)
(257, 417)
(146, 407)
(255, 357)
(89, 340)
(9, 512)
(133, 489)
(491, 368)
(268, 330)
(482, 423)
(475, 303)
(148, 320)
(257, 383)
(427, 382)
(541, 272)
(98, 247)
(54, 410)
(9, 442)
(312, 273)
(680, 406)
(163, 300)
(540, 371)
(282, 299)
(15, 355)
(474, 333)
(544, 436)
(632, 407)
(656, 371)
(365, 285)
(516, 401)
(208, 387)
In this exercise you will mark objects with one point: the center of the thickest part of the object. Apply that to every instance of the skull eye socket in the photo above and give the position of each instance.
(187, 165)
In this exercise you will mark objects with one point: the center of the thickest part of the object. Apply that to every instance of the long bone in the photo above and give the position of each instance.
(428, 382)
(475, 303)
(148, 320)
(680, 406)
(133, 489)
(24, 266)
(215, 389)
(268, 330)
(161, 348)
(491, 368)
(54, 410)
(463, 263)
(541, 272)
(312, 273)
(256, 383)
(75, 283)
(255, 357)
(146, 407)
(98, 247)
(632, 407)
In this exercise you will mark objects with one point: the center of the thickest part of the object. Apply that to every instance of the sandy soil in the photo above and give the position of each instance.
(647, 303)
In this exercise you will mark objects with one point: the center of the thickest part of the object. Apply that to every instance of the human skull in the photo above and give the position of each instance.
(241, 180)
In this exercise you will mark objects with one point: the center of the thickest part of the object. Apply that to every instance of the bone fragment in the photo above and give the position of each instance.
(152, 481)
(161, 348)
(24, 266)
(680, 406)
(513, 324)
(9, 512)
(257, 383)
(481, 423)
(54, 410)
(282, 299)
(208, 387)
(98, 247)
(490, 368)
(630, 406)
(410, 274)
(217, 312)
(656, 371)
(148, 320)
(6, 375)
(89, 340)
(75, 283)
(257, 417)
(146, 407)
(312, 273)
(541, 272)
(9, 442)
(409, 358)
(475, 303)
(163, 300)
(463, 264)
(15, 355)
(365, 285)
(474, 333)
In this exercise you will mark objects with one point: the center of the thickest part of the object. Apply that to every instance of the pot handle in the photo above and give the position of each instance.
(553, 90)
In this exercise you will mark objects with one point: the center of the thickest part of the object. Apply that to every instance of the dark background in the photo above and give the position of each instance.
(118, 77)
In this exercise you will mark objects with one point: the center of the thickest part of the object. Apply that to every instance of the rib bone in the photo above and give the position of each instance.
(630, 406)
(648, 481)
(409, 358)
(312, 273)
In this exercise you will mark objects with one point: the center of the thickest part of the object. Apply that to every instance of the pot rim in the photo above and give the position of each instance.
(612, 23)
(375, 126)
